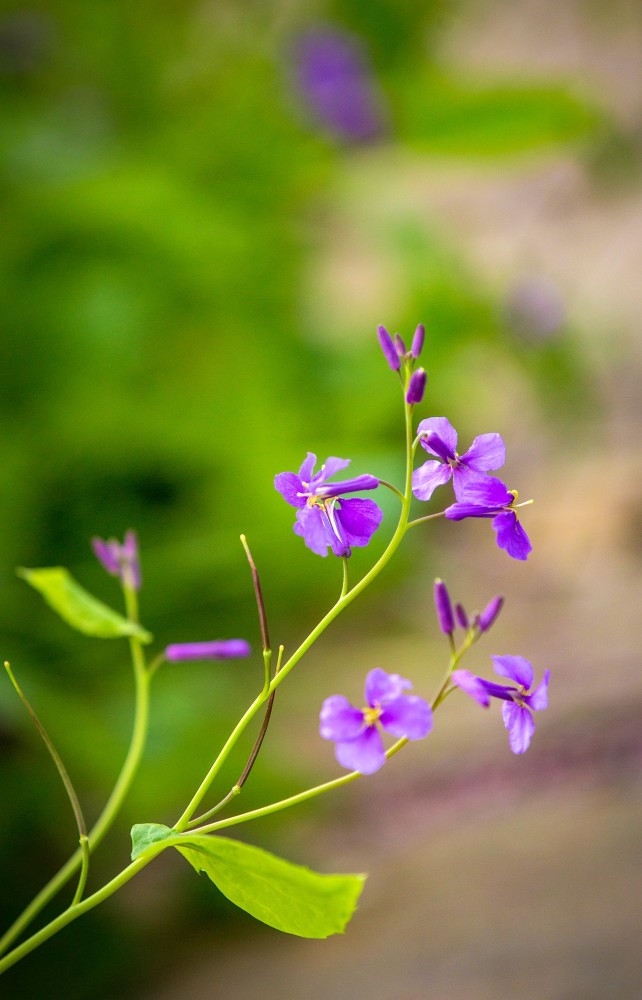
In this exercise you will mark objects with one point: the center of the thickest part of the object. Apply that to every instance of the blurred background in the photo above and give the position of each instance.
(207, 208)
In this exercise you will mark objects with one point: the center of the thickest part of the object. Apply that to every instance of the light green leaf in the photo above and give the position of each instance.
(146, 834)
(455, 117)
(290, 897)
(77, 607)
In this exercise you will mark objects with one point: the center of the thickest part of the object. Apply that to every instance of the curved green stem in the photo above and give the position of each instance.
(336, 609)
(120, 790)
(78, 909)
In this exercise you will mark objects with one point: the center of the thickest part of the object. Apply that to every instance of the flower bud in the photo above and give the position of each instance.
(225, 649)
(388, 348)
(461, 616)
(489, 615)
(400, 347)
(416, 387)
(418, 341)
(443, 608)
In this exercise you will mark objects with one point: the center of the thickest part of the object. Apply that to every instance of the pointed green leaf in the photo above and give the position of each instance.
(146, 834)
(77, 607)
(290, 897)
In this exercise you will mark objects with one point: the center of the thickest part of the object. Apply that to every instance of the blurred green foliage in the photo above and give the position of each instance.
(164, 199)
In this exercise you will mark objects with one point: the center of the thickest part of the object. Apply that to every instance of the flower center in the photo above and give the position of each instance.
(371, 715)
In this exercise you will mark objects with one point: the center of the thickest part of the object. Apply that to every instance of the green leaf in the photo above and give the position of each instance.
(77, 607)
(290, 897)
(146, 834)
(453, 117)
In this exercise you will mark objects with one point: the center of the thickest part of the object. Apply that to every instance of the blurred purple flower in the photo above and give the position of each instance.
(333, 76)
(438, 437)
(324, 518)
(359, 745)
(518, 705)
(489, 497)
(223, 649)
(120, 560)
(535, 309)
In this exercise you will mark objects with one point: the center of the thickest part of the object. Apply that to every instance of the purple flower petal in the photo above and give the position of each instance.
(224, 649)
(364, 754)
(359, 520)
(291, 488)
(472, 685)
(329, 468)
(107, 554)
(511, 536)
(382, 687)
(340, 720)
(487, 452)
(520, 725)
(408, 716)
(516, 667)
(462, 480)
(428, 477)
(444, 430)
(365, 482)
(307, 469)
(489, 493)
(311, 526)
(538, 699)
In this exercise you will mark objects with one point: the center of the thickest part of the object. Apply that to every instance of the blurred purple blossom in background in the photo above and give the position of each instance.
(518, 703)
(120, 560)
(535, 309)
(335, 82)
(359, 745)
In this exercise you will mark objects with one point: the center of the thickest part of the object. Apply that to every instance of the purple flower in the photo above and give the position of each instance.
(223, 649)
(335, 80)
(359, 745)
(519, 704)
(324, 518)
(438, 437)
(120, 560)
(489, 497)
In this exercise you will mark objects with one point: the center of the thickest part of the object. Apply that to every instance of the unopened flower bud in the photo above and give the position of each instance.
(489, 615)
(418, 341)
(443, 608)
(400, 347)
(416, 387)
(224, 649)
(461, 616)
(388, 348)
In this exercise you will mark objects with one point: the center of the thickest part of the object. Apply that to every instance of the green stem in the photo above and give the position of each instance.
(78, 909)
(336, 609)
(120, 790)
